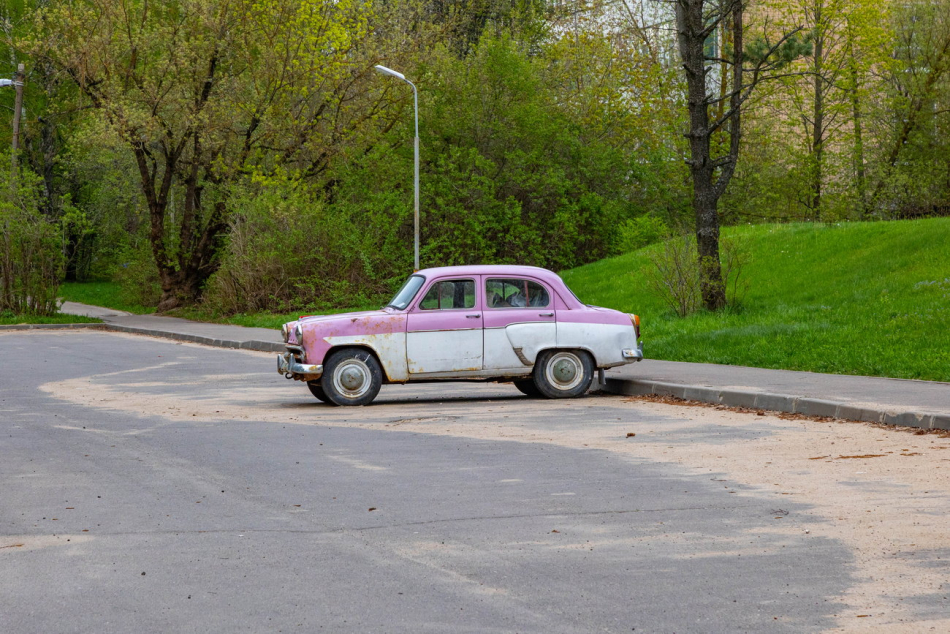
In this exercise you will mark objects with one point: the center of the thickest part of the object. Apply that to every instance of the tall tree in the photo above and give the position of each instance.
(202, 93)
(697, 24)
(917, 81)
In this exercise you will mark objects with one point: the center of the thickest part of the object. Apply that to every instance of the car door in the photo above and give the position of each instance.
(519, 321)
(444, 328)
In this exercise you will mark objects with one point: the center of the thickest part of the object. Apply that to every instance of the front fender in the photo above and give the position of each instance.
(389, 348)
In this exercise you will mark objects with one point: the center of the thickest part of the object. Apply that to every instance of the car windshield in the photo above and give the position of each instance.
(407, 292)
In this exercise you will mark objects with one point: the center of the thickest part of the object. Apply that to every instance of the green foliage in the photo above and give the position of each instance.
(636, 233)
(778, 54)
(526, 159)
(31, 258)
(287, 251)
(852, 298)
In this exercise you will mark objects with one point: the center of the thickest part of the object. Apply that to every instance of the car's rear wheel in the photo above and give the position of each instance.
(527, 387)
(317, 390)
(563, 373)
(351, 376)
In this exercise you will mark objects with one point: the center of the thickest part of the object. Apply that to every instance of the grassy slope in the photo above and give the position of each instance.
(856, 298)
(106, 294)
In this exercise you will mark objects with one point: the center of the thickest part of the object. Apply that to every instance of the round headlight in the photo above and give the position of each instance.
(285, 333)
(298, 333)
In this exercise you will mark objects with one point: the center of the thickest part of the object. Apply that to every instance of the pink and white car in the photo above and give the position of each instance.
(516, 324)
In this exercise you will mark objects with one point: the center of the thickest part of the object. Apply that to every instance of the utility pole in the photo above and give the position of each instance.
(17, 110)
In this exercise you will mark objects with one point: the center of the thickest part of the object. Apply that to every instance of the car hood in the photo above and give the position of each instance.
(368, 322)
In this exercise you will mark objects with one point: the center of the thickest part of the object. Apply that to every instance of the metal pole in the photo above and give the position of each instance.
(415, 99)
(17, 111)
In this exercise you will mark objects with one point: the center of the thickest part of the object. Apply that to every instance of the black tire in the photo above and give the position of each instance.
(563, 373)
(351, 376)
(317, 390)
(527, 387)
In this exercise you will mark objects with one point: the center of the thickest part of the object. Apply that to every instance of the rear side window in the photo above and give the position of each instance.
(448, 294)
(515, 293)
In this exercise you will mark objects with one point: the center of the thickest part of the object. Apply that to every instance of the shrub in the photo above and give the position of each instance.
(287, 251)
(31, 257)
(675, 275)
(640, 232)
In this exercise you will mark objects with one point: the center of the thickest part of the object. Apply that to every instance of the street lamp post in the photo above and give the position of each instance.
(415, 100)
(17, 83)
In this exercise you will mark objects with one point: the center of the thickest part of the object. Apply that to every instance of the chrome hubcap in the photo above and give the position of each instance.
(564, 371)
(352, 378)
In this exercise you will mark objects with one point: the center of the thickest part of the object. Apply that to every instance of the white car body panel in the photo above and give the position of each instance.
(444, 351)
(389, 348)
(605, 341)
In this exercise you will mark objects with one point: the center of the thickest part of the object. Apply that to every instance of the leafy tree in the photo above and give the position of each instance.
(744, 68)
(203, 92)
(915, 115)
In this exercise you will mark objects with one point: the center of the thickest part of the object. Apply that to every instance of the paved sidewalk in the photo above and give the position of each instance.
(219, 335)
(924, 404)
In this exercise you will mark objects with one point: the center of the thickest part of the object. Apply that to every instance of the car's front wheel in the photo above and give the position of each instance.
(317, 390)
(563, 373)
(351, 376)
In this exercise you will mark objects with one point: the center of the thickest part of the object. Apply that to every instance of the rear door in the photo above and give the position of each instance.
(519, 321)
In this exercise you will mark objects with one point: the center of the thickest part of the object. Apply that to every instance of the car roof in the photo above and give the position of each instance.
(544, 275)
(494, 269)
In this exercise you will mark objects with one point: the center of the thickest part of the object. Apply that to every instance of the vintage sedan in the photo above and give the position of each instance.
(516, 324)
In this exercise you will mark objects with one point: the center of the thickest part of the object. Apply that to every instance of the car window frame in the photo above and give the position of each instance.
(421, 296)
(524, 278)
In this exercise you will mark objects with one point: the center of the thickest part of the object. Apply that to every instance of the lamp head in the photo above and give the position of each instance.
(391, 72)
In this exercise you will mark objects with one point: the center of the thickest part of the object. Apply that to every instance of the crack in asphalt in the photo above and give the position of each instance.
(343, 529)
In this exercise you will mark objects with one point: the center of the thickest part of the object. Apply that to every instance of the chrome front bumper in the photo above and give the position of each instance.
(288, 366)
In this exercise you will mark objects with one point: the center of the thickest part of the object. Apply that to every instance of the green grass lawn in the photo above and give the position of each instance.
(13, 320)
(855, 298)
(106, 294)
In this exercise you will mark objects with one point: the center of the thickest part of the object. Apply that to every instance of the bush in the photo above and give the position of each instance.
(137, 275)
(286, 251)
(640, 232)
(675, 276)
(31, 257)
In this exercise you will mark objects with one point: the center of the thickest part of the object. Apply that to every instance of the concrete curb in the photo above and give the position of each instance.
(789, 403)
(259, 346)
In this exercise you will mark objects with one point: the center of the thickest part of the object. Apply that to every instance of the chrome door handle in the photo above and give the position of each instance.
(472, 316)
(545, 314)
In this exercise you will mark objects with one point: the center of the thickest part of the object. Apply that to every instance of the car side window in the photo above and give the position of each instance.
(448, 294)
(515, 293)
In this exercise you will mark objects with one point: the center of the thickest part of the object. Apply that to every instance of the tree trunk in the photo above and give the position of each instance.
(818, 122)
(690, 23)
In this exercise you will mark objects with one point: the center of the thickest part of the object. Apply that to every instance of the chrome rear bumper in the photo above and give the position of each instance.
(633, 355)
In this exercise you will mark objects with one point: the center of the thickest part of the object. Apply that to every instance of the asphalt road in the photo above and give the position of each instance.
(150, 486)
